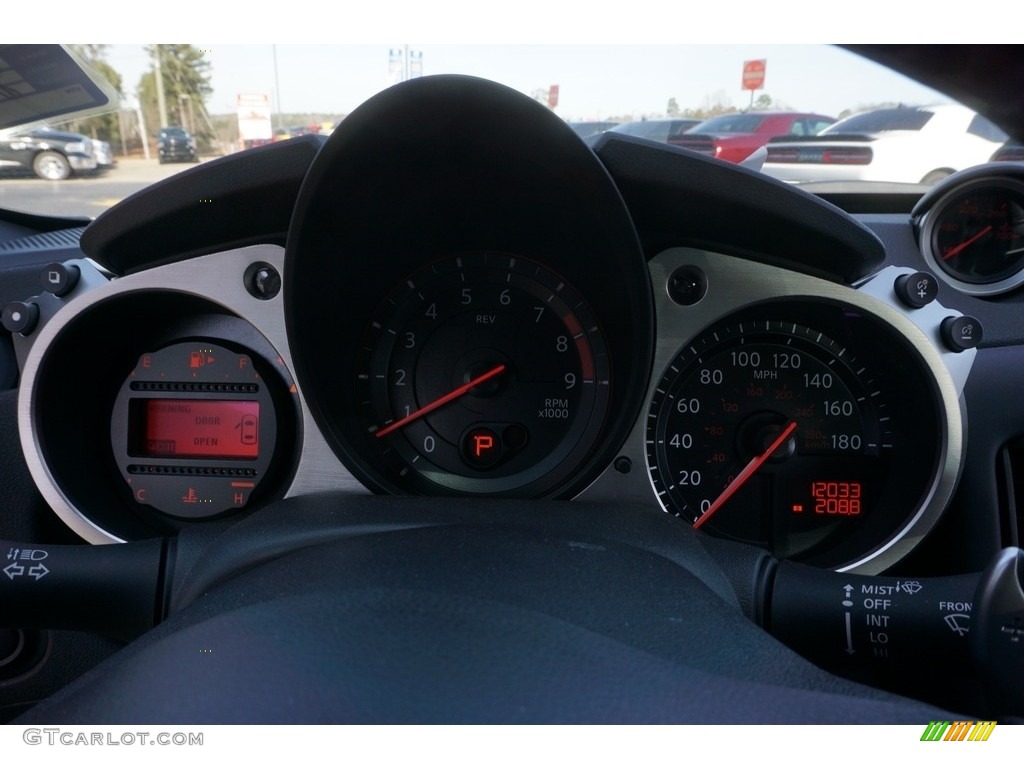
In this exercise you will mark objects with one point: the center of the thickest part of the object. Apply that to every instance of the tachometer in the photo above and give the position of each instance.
(773, 432)
(484, 373)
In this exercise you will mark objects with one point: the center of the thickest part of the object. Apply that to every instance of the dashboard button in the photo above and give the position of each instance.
(917, 289)
(687, 285)
(961, 333)
(20, 317)
(60, 279)
(263, 281)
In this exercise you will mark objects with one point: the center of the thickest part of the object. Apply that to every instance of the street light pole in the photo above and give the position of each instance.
(277, 92)
(158, 76)
(142, 127)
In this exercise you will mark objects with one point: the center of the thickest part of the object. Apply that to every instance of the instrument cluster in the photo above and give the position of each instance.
(498, 331)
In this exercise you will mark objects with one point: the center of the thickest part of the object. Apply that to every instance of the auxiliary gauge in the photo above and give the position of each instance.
(974, 236)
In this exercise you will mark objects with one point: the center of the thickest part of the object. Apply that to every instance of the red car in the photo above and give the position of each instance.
(733, 137)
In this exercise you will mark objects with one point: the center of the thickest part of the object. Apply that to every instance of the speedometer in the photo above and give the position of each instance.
(797, 435)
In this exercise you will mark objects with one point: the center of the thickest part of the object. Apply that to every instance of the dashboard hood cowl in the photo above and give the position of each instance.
(252, 194)
(679, 197)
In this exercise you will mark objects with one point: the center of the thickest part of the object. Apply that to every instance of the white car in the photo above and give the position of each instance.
(910, 145)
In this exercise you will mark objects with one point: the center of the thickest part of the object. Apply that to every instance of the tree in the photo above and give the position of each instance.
(673, 107)
(185, 73)
(717, 103)
(714, 104)
(764, 101)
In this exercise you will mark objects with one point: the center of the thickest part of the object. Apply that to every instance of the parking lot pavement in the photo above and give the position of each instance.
(146, 171)
(84, 196)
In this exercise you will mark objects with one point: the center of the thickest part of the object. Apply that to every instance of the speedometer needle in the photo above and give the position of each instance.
(752, 466)
(954, 251)
(444, 399)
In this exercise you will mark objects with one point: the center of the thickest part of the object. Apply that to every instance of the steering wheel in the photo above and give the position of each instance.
(333, 609)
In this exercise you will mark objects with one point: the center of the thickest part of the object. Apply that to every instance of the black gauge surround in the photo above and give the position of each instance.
(540, 213)
(973, 235)
(862, 438)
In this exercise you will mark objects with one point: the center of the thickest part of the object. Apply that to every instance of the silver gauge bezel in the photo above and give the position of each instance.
(734, 284)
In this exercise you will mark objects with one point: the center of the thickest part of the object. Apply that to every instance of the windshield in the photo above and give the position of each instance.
(222, 99)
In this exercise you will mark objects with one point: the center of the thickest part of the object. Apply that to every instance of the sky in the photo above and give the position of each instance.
(607, 59)
(595, 81)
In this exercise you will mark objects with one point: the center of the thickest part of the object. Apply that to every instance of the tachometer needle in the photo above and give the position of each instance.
(752, 466)
(955, 250)
(444, 399)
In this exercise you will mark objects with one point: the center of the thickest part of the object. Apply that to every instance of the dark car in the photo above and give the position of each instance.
(657, 130)
(1011, 151)
(49, 154)
(175, 144)
(587, 128)
(733, 137)
(104, 155)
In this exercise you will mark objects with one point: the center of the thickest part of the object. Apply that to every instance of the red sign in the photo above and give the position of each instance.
(553, 96)
(753, 74)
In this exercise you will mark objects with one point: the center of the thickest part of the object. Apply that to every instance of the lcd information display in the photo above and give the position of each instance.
(829, 497)
(209, 429)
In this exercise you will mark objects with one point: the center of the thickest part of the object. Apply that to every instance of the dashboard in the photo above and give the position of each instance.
(491, 309)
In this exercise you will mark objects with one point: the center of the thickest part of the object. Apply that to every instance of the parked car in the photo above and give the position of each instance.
(175, 144)
(304, 130)
(910, 145)
(49, 154)
(104, 154)
(733, 137)
(657, 129)
(587, 128)
(1011, 151)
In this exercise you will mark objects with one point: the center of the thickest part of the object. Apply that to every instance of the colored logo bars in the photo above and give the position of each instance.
(961, 730)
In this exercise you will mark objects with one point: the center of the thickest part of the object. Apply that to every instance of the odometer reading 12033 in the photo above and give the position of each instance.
(484, 373)
(775, 433)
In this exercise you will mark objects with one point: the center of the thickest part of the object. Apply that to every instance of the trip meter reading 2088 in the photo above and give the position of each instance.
(772, 433)
(484, 373)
